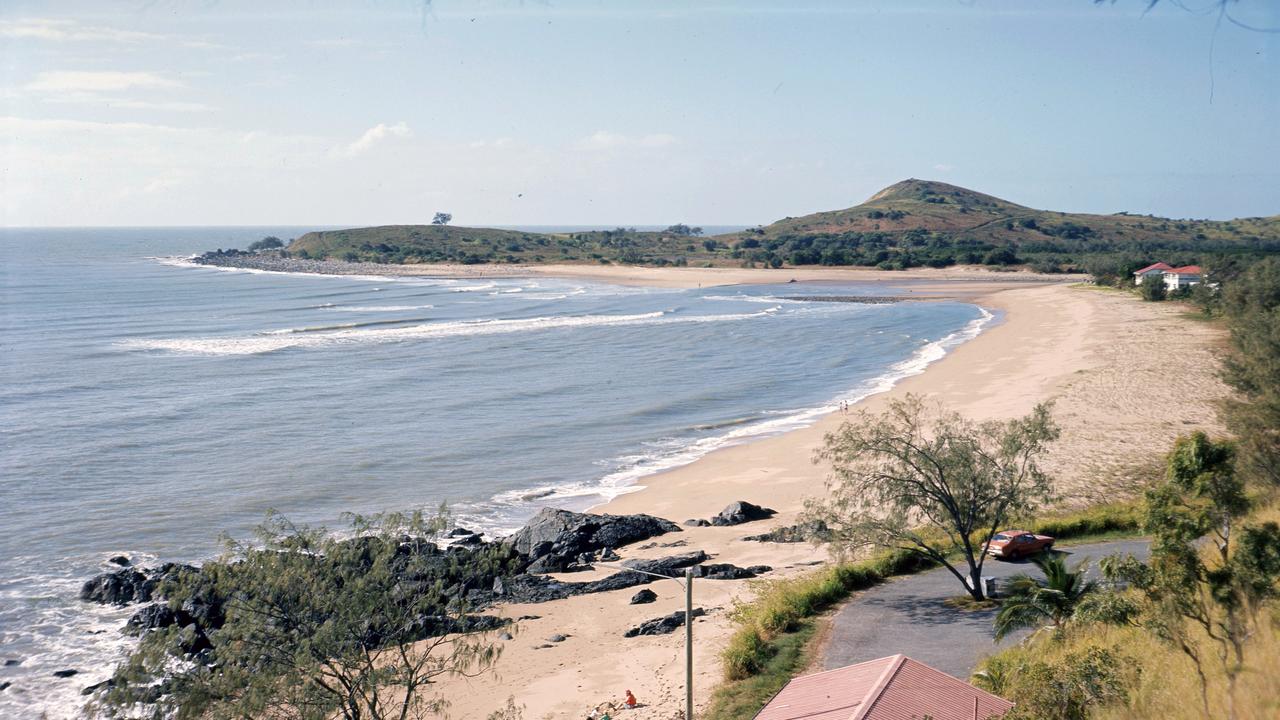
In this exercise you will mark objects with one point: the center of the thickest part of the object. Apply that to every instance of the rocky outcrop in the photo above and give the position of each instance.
(669, 566)
(130, 585)
(741, 512)
(155, 617)
(664, 625)
(644, 597)
(811, 531)
(554, 540)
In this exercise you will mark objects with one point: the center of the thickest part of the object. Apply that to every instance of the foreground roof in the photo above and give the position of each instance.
(1186, 270)
(891, 688)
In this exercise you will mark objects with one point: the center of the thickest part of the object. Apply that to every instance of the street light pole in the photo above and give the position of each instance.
(688, 643)
(688, 628)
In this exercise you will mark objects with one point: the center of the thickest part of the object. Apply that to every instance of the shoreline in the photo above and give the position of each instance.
(928, 281)
(1094, 354)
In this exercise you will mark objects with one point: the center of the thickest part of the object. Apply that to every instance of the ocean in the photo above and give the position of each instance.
(148, 405)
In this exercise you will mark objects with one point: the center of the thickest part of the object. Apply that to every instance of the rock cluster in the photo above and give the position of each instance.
(557, 540)
(735, 513)
(664, 625)
(810, 531)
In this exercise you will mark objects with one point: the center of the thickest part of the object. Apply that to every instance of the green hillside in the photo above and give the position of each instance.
(920, 222)
(447, 243)
(909, 224)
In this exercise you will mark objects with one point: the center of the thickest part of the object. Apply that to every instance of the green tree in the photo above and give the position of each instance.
(314, 627)
(1252, 307)
(1204, 599)
(267, 243)
(1153, 289)
(928, 481)
(1031, 602)
(442, 218)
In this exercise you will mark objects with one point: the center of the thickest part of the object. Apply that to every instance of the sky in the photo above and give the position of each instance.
(510, 112)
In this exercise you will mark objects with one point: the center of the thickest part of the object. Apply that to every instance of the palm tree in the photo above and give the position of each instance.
(1033, 601)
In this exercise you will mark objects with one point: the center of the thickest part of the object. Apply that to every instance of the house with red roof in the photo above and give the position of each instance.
(1150, 271)
(1182, 277)
(891, 688)
(1174, 278)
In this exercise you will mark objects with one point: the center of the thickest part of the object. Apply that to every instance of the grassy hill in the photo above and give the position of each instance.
(908, 224)
(447, 243)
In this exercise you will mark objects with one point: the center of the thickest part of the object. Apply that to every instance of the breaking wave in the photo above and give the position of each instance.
(325, 336)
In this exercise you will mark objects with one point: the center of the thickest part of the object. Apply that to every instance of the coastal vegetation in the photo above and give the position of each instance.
(303, 624)
(913, 223)
(1194, 635)
(773, 638)
(926, 481)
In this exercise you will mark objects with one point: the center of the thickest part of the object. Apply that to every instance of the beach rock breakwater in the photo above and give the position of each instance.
(474, 573)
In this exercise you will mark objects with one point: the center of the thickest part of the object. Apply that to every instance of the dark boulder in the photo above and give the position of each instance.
(130, 585)
(668, 566)
(98, 686)
(553, 539)
(118, 588)
(121, 560)
(697, 522)
(811, 531)
(643, 597)
(155, 617)
(557, 638)
(192, 641)
(460, 532)
(662, 626)
(5, 685)
(11, 662)
(740, 512)
(725, 571)
(65, 673)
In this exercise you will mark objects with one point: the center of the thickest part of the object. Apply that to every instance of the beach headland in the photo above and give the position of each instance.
(1099, 355)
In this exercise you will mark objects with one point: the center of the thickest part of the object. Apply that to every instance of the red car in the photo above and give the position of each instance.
(1012, 544)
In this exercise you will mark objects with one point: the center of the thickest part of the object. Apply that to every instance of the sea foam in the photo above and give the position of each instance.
(327, 336)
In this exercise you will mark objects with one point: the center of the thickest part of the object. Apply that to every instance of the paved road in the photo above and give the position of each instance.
(907, 616)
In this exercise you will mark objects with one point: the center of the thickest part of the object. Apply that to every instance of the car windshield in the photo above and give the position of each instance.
(1001, 537)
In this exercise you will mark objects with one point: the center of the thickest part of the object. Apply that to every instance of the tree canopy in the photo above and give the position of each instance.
(312, 626)
(925, 480)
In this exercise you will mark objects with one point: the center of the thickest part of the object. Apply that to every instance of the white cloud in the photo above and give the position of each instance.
(605, 140)
(377, 134)
(56, 30)
(99, 81)
(943, 167)
(495, 143)
(69, 30)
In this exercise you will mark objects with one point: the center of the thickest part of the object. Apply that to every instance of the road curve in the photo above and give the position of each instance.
(907, 615)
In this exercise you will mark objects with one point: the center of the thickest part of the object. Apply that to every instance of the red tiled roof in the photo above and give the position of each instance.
(1157, 266)
(891, 688)
(1186, 270)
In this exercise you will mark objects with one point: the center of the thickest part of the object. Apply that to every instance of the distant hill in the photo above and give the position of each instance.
(908, 224)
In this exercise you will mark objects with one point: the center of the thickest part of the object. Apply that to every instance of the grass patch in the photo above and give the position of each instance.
(743, 699)
(1100, 522)
(775, 629)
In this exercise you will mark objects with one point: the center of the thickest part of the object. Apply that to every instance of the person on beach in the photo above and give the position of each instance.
(630, 701)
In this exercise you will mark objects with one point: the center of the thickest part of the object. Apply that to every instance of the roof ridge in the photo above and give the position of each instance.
(878, 689)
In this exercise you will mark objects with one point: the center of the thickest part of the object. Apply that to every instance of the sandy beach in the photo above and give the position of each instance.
(1126, 378)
